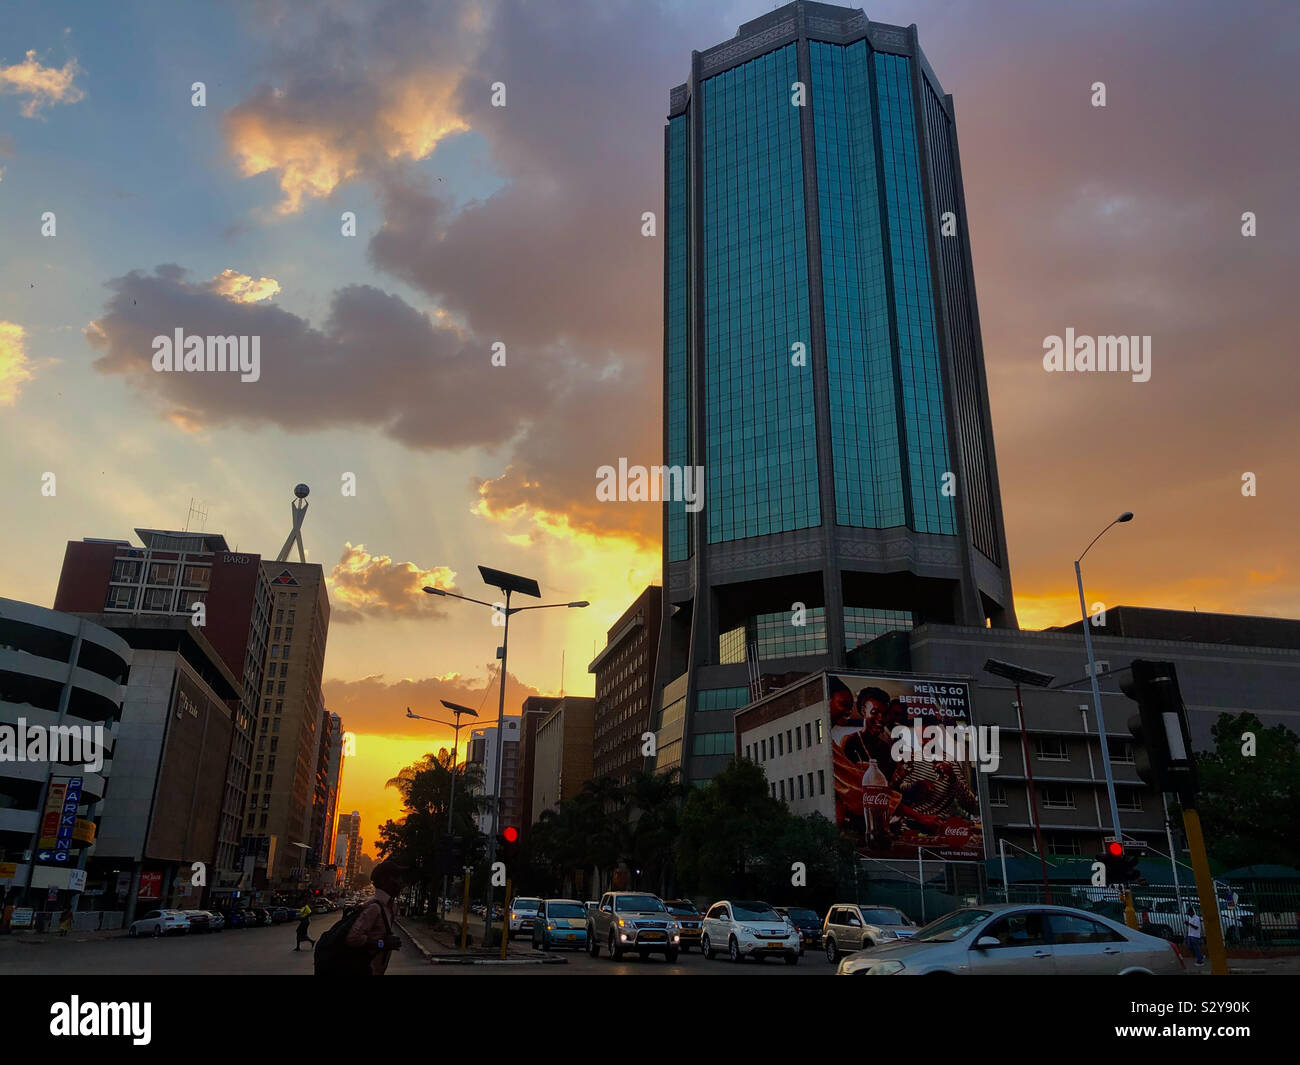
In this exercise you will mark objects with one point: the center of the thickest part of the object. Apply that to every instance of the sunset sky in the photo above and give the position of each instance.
(521, 225)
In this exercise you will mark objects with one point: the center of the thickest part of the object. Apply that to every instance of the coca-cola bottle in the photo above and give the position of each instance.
(875, 805)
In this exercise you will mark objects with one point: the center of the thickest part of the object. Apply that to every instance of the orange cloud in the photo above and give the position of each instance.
(241, 288)
(15, 367)
(41, 85)
(366, 585)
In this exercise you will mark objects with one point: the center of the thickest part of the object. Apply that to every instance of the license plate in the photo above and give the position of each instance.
(572, 935)
(774, 946)
(652, 935)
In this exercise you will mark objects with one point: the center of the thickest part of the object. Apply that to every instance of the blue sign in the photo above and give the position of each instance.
(68, 819)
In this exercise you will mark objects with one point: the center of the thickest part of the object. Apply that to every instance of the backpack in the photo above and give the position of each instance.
(333, 956)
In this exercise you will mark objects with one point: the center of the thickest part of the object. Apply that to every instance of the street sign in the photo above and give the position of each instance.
(77, 880)
(8, 870)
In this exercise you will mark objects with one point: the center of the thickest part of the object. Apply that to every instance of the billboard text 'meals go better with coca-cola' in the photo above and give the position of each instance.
(890, 801)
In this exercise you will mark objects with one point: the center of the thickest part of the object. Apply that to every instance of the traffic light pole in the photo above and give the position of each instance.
(1033, 796)
(1205, 892)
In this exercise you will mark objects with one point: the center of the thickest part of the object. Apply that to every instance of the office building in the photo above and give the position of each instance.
(169, 575)
(329, 780)
(347, 849)
(822, 366)
(624, 672)
(531, 714)
(283, 788)
(563, 760)
(482, 750)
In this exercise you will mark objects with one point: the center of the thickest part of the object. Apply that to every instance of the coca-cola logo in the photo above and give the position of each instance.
(958, 831)
(879, 798)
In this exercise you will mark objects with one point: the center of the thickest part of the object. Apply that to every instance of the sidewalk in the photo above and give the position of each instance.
(441, 945)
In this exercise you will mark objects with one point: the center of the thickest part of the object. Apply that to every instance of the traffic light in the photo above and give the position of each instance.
(507, 843)
(473, 849)
(1121, 867)
(1162, 747)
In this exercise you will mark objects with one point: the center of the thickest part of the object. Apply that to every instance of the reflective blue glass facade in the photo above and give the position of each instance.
(860, 361)
(676, 336)
(760, 429)
(913, 300)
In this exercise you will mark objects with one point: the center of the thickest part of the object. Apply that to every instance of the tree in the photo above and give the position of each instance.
(725, 828)
(1247, 802)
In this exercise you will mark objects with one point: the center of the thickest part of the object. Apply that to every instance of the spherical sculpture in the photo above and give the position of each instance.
(301, 491)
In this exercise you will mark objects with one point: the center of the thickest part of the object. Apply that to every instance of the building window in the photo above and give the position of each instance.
(158, 599)
(808, 732)
(780, 750)
(1057, 797)
(279, 688)
(197, 576)
(1121, 752)
(821, 783)
(275, 653)
(782, 799)
(801, 787)
(810, 784)
(762, 745)
(162, 573)
(997, 793)
(126, 571)
(819, 730)
(1051, 749)
(121, 599)
(789, 746)
(1129, 799)
(1063, 845)
(798, 739)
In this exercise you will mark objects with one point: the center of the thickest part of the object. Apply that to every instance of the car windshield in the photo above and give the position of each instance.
(754, 911)
(525, 904)
(682, 909)
(797, 913)
(565, 909)
(883, 916)
(950, 928)
(638, 904)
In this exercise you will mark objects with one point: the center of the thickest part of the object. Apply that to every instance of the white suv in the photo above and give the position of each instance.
(746, 927)
(523, 912)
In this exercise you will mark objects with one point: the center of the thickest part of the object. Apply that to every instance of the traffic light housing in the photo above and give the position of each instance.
(1162, 745)
(1120, 865)
(473, 849)
(508, 844)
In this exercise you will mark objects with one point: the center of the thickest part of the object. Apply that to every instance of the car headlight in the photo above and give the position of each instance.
(747, 930)
(885, 968)
(622, 923)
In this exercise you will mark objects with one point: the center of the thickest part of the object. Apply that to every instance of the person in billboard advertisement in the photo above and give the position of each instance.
(894, 793)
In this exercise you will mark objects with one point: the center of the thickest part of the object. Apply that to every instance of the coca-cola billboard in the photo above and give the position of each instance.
(893, 793)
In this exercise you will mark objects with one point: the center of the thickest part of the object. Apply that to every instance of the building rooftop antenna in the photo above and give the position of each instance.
(299, 509)
(198, 509)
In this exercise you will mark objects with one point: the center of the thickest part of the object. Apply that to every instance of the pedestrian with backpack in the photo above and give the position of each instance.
(363, 940)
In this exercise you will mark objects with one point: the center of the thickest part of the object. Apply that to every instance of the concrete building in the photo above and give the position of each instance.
(347, 849)
(483, 751)
(283, 788)
(532, 713)
(329, 779)
(56, 670)
(1226, 665)
(169, 576)
(171, 765)
(563, 761)
(625, 672)
(822, 366)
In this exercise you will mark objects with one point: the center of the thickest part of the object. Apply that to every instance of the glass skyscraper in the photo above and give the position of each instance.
(822, 365)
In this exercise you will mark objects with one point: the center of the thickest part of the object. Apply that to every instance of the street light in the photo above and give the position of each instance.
(508, 583)
(1092, 674)
(1017, 675)
(455, 743)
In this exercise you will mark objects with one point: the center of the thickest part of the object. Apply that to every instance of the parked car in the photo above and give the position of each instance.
(234, 918)
(199, 920)
(560, 923)
(632, 921)
(160, 923)
(850, 926)
(1168, 919)
(808, 924)
(689, 920)
(257, 915)
(523, 914)
(216, 922)
(280, 914)
(1023, 939)
(747, 927)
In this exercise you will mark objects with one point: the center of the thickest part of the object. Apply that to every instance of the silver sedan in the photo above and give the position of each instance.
(1024, 939)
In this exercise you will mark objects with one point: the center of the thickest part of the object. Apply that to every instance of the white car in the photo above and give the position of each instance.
(523, 912)
(746, 927)
(160, 923)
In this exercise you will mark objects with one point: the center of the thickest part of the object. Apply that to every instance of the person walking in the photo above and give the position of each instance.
(304, 922)
(373, 928)
(1195, 936)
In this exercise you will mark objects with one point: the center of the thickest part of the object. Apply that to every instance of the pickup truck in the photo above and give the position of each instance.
(628, 921)
(1164, 917)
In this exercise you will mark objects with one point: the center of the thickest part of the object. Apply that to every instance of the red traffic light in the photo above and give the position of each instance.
(1115, 849)
(510, 835)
